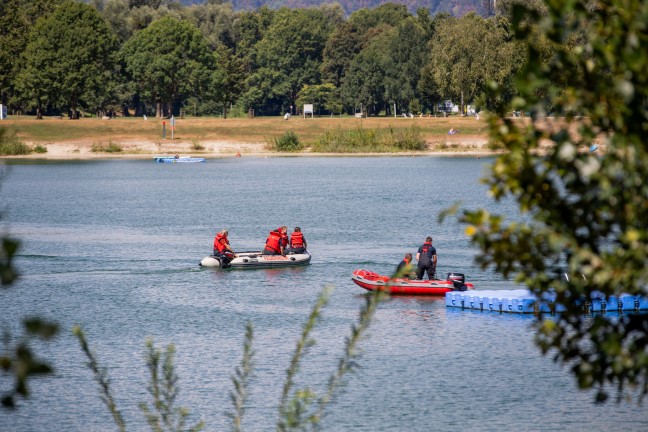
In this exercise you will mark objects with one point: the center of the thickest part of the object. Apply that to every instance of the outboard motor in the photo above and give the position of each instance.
(225, 259)
(458, 280)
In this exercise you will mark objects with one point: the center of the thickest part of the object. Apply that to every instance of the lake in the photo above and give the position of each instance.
(114, 246)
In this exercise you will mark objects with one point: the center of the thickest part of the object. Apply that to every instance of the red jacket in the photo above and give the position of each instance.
(274, 241)
(296, 240)
(220, 242)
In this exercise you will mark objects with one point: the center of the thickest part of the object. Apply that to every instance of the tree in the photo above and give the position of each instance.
(68, 60)
(293, 46)
(17, 18)
(168, 60)
(228, 78)
(467, 53)
(587, 213)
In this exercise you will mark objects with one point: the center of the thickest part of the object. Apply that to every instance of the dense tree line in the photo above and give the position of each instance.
(161, 57)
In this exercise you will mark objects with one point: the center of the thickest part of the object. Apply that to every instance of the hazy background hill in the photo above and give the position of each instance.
(454, 7)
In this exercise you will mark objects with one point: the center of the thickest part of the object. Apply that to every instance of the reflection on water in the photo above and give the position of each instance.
(114, 246)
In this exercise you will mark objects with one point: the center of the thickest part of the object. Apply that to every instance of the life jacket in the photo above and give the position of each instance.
(425, 257)
(274, 241)
(296, 240)
(219, 242)
(284, 237)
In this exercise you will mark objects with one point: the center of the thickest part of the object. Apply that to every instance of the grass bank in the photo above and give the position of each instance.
(323, 134)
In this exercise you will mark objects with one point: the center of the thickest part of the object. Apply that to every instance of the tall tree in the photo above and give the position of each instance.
(168, 60)
(17, 18)
(587, 212)
(466, 54)
(293, 47)
(68, 60)
(228, 78)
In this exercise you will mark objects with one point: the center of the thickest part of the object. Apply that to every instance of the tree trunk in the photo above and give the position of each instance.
(225, 110)
(158, 110)
(39, 114)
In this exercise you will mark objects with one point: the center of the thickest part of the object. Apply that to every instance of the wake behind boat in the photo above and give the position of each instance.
(372, 281)
(252, 260)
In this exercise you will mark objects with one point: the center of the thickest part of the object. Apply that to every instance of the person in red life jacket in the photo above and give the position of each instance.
(284, 236)
(427, 260)
(274, 244)
(297, 241)
(404, 268)
(221, 244)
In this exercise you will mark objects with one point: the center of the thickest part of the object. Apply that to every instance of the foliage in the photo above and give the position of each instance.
(466, 54)
(241, 380)
(288, 142)
(10, 144)
(111, 147)
(167, 60)
(18, 362)
(69, 60)
(363, 140)
(163, 389)
(587, 211)
(17, 17)
(298, 408)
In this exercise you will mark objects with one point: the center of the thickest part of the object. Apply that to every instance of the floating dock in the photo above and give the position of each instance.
(522, 301)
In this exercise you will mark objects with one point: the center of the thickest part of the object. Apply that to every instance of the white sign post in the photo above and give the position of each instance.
(308, 109)
(3, 112)
(173, 121)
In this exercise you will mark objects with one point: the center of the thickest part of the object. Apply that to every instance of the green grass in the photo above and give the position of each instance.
(11, 145)
(111, 147)
(362, 140)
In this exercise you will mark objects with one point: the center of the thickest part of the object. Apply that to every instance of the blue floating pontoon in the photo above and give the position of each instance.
(523, 301)
(181, 159)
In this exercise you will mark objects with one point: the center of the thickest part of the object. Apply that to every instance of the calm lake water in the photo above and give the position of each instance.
(114, 246)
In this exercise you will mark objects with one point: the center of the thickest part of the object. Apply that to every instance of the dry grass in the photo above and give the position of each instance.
(137, 137)
(256, 130)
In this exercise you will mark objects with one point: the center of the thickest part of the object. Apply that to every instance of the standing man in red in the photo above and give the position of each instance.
(427, 260)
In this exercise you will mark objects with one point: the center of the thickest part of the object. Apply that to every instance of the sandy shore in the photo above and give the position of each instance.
(467, 145)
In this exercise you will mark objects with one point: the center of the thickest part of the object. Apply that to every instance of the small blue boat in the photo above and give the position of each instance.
(178, 159)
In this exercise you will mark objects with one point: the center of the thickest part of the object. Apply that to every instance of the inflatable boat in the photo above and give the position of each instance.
(373, 281)
(252, 260)
(180, 159)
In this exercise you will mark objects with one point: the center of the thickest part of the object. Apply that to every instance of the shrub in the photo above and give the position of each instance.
(363, 140)
(288, 142)
(40, 149)
(10, 144)
(110, 148)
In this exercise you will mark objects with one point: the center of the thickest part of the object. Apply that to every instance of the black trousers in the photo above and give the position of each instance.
(420, 272)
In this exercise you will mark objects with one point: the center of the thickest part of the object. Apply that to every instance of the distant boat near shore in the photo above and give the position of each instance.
(178, 159)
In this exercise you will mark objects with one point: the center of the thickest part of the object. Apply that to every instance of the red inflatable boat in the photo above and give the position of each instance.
(373, 281)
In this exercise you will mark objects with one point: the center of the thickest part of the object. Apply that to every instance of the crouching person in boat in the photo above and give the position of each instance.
(297, 242)
(222, 249)
(274, 243)
(404, 268)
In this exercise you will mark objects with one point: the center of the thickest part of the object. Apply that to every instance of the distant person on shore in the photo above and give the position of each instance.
(452, 131)
(427, 260)
(404, 268)
(297, 241)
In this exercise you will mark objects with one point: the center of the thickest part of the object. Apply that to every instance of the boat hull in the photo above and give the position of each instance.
(183, 159)
(372, 281)
(253, 260)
